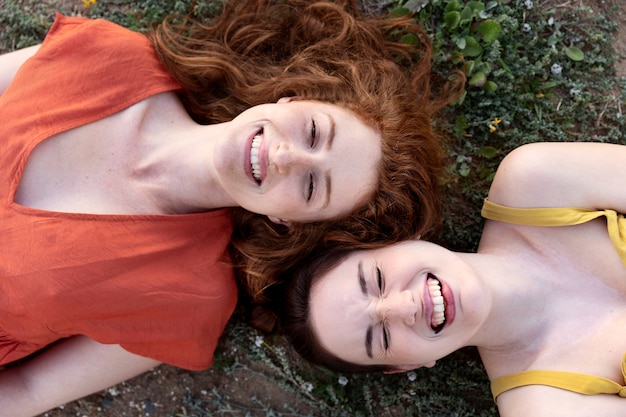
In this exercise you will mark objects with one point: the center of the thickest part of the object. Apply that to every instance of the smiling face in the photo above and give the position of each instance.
(405, 305)
(299, 161)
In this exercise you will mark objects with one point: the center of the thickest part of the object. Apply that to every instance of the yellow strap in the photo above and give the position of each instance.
(580, 383)
(564, 216)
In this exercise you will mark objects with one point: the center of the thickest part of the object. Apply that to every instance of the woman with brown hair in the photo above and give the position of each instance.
(128, 162)
(543, 299)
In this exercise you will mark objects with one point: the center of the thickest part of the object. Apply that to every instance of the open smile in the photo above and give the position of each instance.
(442, 303)
(257, 166)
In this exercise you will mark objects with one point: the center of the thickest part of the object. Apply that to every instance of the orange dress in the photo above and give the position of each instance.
(161, 286)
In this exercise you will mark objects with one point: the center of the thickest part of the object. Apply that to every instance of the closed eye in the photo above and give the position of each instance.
(385, 337)
(313, 134)
(311, 188)
(380, 280)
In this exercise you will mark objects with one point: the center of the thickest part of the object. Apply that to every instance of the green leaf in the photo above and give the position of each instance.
(488, 152)
(476, 6)
(461, 99)
(489, 30)
(491, 5)
(467, 15)
(490, 86)
(505, 67)
(452, 6)
(574, 53)
(460, 126)
(399, 11)
(410, 39)
(452, 20)
(478, 80)
(415, 5)
(472, 48)
(548, 85)
(464, 170)
(457, 58)
(469, 67)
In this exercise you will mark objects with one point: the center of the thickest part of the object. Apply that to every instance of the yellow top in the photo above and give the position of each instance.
(567, 216)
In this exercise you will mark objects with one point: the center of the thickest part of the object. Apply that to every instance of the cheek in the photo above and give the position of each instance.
(284, 196)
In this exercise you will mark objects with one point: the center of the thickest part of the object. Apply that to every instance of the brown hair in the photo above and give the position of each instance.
(258, 51)
(294, 309)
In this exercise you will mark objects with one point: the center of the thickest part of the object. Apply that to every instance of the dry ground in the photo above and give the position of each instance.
(160, 393)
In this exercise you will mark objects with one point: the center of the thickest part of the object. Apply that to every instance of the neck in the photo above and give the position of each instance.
(519, 304)
(173, 162)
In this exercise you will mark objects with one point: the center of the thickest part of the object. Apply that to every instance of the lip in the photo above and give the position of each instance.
(262, 157)
(428, 304)
(448, 295)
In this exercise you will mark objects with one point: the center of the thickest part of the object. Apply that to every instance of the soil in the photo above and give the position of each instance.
(167, 391)
(619, 43)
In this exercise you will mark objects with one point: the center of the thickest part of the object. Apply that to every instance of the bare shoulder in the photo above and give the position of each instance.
(11, 62)
(542, 401)
(581, 174)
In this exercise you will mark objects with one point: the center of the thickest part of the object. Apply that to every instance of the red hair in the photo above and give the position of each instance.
(258, 51)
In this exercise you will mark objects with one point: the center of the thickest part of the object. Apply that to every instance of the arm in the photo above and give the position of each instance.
(589, 175)
(69, 370)
(11, 62)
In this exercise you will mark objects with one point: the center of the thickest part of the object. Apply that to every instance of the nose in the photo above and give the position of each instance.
(398, 305)
(286, 156)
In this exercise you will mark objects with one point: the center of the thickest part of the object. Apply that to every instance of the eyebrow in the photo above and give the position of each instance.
(361, 276)
(368, 341)
(369, 332)
(329, 145)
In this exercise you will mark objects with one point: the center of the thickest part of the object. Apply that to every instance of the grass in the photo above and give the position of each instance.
(544, 70)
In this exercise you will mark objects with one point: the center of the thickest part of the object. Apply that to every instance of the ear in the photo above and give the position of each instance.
(287, 99)
(406, 368)
(279, 221)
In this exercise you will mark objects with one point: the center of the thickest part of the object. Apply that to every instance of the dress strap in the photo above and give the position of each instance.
(561, 216)
(580, 383)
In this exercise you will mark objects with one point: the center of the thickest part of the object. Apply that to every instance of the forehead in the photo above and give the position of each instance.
(355, 159)
(338, 311)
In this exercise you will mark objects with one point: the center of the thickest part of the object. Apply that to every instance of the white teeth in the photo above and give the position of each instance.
(254, 157)
(439, 305)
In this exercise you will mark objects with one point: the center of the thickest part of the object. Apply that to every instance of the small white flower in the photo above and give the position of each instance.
(526, 27)
(411, 375)
(307, 386)
(556, 69)
(528, 4)
(551, 21)
(258, 341)
(574, 91)
(343, 380)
